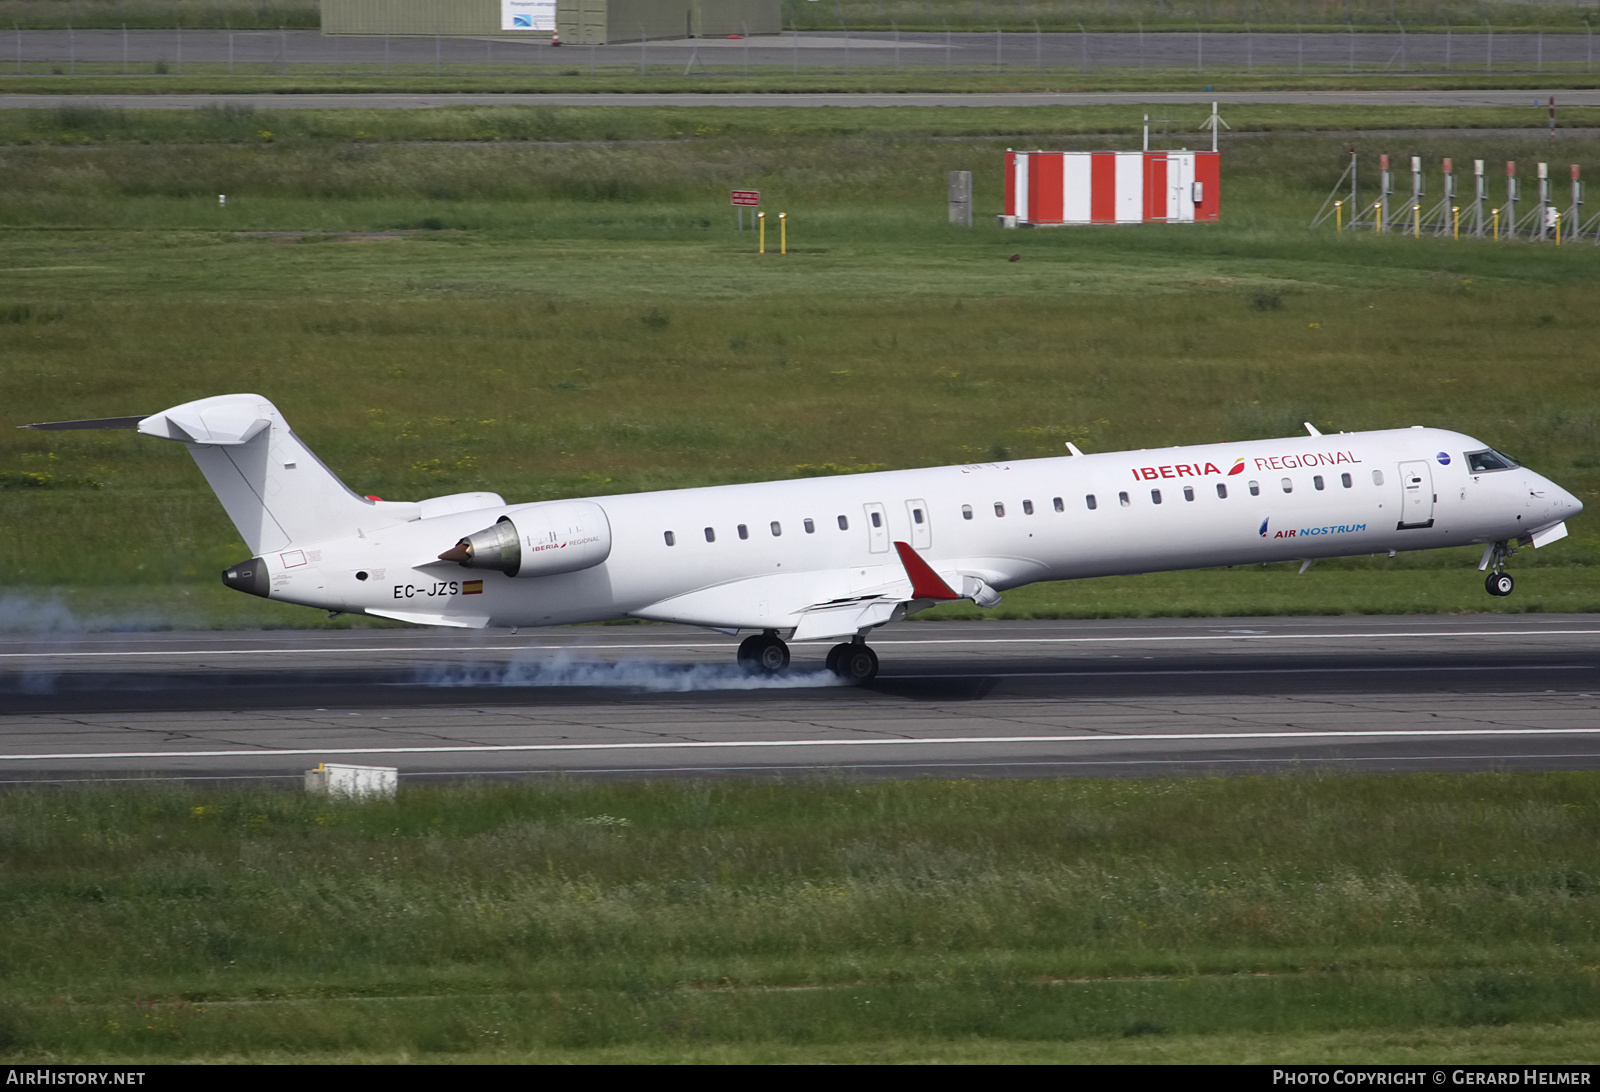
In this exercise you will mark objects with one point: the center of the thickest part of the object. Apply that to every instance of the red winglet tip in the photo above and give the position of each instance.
(925, 583)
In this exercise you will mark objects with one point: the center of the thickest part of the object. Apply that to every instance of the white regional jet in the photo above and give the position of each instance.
(835, 558)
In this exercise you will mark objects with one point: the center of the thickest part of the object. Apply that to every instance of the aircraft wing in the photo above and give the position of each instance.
(821, 605)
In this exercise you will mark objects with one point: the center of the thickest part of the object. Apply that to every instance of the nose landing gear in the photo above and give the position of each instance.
(1494, 559)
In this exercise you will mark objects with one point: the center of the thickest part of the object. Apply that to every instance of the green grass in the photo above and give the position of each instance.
(554, 303)
(1285, 918)
(55, 78)
(713, 131)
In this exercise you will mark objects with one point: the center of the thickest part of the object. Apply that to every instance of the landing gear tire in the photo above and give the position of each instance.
(1499, 584)
(853, 663)
(763, 654)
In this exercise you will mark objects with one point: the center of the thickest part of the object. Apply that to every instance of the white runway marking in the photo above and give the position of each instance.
(713, 643)
(1186, 737)
(634, 770)
(1239, 671)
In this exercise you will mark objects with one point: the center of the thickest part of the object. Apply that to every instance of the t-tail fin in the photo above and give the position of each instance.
(274, 489)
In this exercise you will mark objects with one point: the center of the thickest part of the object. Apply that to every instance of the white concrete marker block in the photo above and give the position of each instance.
(334, 779)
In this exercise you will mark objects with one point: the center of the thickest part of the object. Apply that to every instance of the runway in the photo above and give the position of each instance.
(1534, 100)
(985, 699)
(1202, 53)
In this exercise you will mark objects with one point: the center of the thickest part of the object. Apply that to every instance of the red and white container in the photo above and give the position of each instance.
(1046, 188)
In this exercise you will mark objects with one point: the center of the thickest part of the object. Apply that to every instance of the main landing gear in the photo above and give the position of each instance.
(1497, 582)
(853, 661)
(766, 654)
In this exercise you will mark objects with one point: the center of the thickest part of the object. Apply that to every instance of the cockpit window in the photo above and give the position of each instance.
(1489, 459)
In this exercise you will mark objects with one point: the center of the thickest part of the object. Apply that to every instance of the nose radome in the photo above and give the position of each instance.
(1570, 505)
(1563, 505)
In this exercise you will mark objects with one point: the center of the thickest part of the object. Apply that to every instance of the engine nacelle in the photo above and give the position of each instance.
(539, 540)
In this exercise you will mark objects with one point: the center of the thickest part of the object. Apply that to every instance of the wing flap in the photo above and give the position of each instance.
(422, 618)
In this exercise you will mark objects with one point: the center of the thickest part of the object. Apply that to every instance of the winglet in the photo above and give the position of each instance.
(925, 583)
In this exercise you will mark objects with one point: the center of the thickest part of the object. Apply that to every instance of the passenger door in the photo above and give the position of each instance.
(1416, 495)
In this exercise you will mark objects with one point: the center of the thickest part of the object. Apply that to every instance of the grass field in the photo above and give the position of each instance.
(1422, 918)
(555, 303)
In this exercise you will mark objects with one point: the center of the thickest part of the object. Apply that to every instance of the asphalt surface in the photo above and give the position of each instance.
(1534, 100)
(957, 53)
(997, 699)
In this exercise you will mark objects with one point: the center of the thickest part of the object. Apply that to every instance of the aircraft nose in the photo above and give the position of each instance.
(1569, 505)
(1562, 504)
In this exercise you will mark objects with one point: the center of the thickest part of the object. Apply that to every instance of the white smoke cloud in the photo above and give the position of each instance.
(561, 669)
(21, 612)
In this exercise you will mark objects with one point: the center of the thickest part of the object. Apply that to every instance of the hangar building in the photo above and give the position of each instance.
(580, 22)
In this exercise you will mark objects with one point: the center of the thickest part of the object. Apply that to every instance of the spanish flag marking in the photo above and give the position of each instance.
(472, 587)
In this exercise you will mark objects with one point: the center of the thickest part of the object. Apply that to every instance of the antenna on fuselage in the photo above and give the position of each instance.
(1311, 428)
(1072, 447)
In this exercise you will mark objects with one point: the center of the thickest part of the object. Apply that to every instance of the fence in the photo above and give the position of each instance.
(302, 52)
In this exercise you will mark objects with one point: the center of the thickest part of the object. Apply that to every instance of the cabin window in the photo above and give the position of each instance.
(810, 526)
(966, 511)
(844, 523)
(744, 532)
(1059, 504)
(1316, 481)
(999, 508)
(1122, 498)
(777, 528)
(1377, 477)
(1188, 492)
(916, 516)
(1027, 508)
(1255, 489)
(711, 534)
(1155, 496)
(1091, 502)
(1344, 480)
(672, 539)
(1222, 490)
(1288, 485)
(877, 519)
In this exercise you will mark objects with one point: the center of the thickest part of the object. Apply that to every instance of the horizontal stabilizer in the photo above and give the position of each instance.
(97, 422)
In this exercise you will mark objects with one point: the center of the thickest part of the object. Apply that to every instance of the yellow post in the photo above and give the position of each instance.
(1455, 222)
(1377, 215)
(783, 233)
(1558, 231)
(761, 221)
(1416, 221)
(1497, 223)
(1338, 216)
